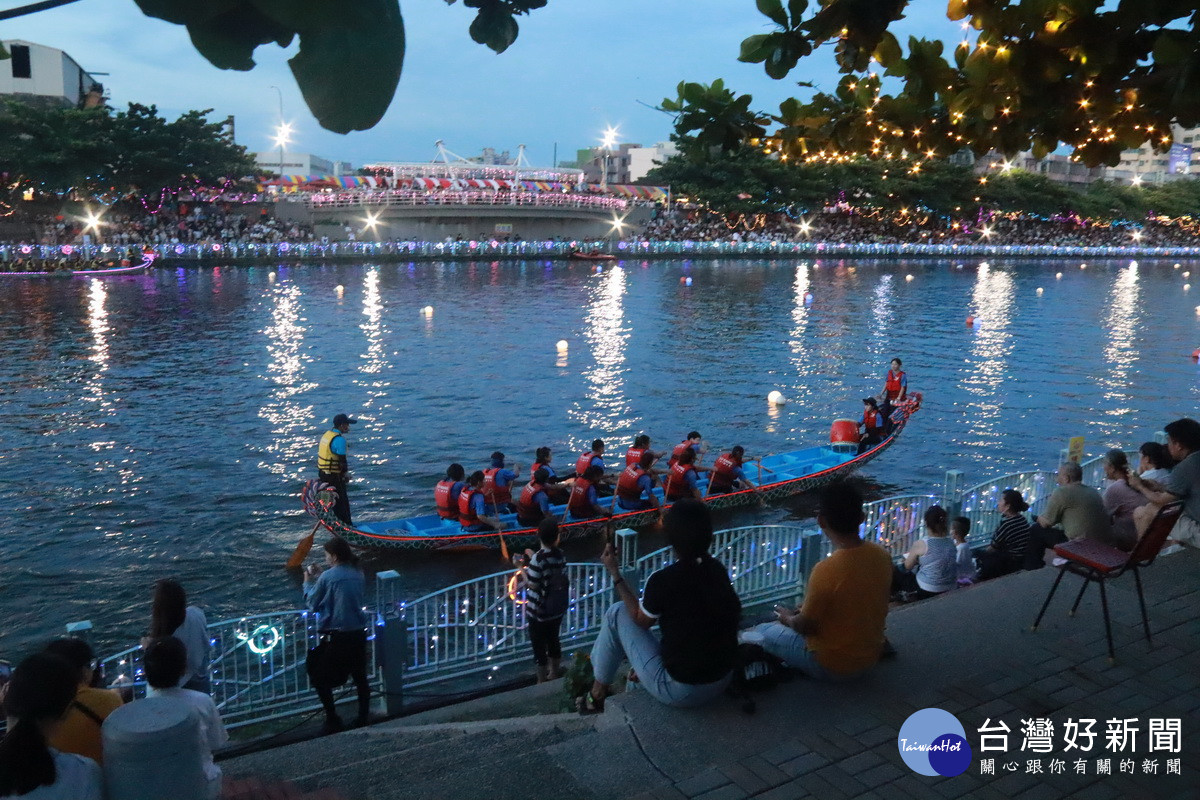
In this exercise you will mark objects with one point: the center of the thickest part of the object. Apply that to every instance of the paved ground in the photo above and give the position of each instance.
(970, 653)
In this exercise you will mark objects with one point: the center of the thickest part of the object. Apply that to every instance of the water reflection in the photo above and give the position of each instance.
(1120, 349)
(882, 316)
(98, 325)
(798, 345)
(607, 335)
(991, 303)
(290, 444)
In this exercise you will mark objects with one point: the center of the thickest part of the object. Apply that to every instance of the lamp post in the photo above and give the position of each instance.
(608, 142)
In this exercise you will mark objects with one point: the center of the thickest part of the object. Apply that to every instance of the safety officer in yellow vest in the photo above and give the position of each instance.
(331, 463)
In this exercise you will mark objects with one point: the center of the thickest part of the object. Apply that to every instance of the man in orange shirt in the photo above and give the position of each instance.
(79, 732)
(838, 632)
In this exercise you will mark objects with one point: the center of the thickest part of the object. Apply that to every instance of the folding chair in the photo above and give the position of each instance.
(1095, 561)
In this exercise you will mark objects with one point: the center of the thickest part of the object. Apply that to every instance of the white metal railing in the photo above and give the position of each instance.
(403, 197)
(477, 627)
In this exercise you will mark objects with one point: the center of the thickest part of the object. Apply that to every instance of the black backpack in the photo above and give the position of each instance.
(557, 595)
(755, 670)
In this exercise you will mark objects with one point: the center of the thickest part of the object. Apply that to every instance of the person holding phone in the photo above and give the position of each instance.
(838, 632)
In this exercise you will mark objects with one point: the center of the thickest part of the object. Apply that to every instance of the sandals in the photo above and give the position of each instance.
(587, 705)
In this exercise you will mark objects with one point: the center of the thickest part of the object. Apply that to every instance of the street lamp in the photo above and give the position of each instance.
(608, 142)
(283, 132)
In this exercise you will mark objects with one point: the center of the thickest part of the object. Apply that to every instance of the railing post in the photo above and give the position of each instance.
(627, 547)
(391, 637)
(952, 492)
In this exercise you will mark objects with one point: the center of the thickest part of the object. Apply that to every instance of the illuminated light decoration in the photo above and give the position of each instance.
(26, 250)
(1040, 290)
(284, 247)
(262, 639)
(339, 290)
(427, 311)
(179, 249)
(216, 248)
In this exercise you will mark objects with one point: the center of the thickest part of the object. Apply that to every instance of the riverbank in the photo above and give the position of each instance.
(179, 255)
(809, 739)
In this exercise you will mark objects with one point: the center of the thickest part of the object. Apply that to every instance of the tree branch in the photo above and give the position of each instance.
(33, 8)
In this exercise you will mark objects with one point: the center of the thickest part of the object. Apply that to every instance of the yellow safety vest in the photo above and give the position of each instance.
(327, 460)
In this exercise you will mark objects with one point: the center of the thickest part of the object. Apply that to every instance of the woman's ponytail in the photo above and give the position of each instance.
(41, 689)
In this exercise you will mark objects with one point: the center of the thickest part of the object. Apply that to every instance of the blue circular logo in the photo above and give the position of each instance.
(933, 742)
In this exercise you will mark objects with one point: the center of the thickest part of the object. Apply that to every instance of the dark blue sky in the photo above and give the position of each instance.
(577, 67)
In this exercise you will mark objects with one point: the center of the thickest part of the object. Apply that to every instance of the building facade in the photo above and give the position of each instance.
(37, 73)
(300, 164)
(644, 159)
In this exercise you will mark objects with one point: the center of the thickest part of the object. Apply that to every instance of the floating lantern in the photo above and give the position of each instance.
(340, 290)
(1187, 274)
(1187, 286)
(1176, 266)
(687, 281)
(270, 277)
(1196, 354)
(970, 320)
(427, 311)
(908, 277)
(776, 398)
(808, 298)
(562, 345)
(1040, 290)
(1058, 276)
(1083, 266)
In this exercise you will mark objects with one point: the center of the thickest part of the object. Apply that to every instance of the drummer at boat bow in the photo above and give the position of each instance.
(445, 494)
(471, 513)
(635, 487)
(497, 485)
(728, 474)
(332, 467)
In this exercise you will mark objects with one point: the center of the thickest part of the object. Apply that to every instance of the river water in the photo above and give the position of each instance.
(162, 425)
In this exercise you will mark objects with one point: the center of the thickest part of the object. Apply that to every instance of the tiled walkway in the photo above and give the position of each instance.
(970, 653)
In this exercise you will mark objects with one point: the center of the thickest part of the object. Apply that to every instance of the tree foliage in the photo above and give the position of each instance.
(748, 181)
(96, 152)
(1100, 78)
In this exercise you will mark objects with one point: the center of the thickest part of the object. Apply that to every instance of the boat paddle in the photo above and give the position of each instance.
(302, 548)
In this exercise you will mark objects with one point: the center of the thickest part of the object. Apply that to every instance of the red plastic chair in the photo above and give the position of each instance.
(1095, 561)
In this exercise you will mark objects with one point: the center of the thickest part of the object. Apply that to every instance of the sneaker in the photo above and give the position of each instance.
(1058, 561)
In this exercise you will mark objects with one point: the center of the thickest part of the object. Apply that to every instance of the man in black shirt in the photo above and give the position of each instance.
(696, 609)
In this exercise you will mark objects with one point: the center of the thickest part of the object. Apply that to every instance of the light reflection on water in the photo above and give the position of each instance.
(164, 424)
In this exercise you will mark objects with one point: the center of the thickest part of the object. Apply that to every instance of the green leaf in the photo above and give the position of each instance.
(887, 52)
(756, 48)
(796, 9)
(774, 10)
(228, 40)
(494, 27)
(348, 73)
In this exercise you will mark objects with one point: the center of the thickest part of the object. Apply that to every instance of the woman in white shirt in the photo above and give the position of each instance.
(36, 700)
(1155, 462)
(170, 615)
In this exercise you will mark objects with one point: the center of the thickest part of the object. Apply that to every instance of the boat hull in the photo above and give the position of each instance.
(430, 533)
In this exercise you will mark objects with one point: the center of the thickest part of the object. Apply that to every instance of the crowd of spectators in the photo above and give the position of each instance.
(849, 226)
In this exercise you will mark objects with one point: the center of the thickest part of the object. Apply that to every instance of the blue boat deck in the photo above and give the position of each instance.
(783, 467)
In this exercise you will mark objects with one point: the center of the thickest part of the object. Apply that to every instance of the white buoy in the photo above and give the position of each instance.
(1058, 276)
(270, 277)
(1083, 266)
(1187, 274)
(1040, 290)
(562, 345)
(427, 311)
(1176, 266)
(340, 290)
(908, 277)
(776, 398)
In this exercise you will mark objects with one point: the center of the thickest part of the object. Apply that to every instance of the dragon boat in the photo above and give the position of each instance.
(93, 270)
(784, 475)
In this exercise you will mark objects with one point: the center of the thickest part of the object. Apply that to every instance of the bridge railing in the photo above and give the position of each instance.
(897, 522)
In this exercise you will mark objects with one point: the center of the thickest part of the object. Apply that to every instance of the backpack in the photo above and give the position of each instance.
(755, 670)
(557, 595)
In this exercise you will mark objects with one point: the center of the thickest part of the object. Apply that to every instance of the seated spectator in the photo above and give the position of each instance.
(964, 562)
(1121, 499)
(1154, 463)
(170, 615)
(1183, 444)
(80, 729)
(35, 700)
(165, 662)
(1007, 551)
(838, 632)
(930, 566)
(1077, 508)
(697, 612)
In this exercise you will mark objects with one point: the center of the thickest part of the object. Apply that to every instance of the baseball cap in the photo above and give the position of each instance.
(342, 419)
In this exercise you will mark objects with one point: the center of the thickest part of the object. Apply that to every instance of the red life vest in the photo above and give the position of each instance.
(871, 420)
(536, 466)
(678, 451)
(634, 456)
(578, 503)
(627, 484)
(466, 514)
(722, 477)
(493, 494)
(583, 462)
(676, 486)
(527, 507)
(445, 503)
(893, 386)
